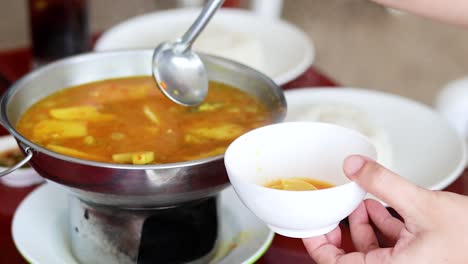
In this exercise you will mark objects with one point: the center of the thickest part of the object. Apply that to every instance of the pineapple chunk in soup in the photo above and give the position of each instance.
(129, 121)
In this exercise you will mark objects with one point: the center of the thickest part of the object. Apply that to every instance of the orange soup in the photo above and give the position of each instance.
(128, 120)
(298, 184)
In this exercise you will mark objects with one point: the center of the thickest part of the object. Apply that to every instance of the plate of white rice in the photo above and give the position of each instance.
(274, 47)
(411, 138)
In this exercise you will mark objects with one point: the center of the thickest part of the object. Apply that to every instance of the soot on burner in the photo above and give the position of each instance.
(179, 235)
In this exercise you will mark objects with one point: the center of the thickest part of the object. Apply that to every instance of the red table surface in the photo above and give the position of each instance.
(15, 63)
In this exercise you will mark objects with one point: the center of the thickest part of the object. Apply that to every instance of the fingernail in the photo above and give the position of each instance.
(353, 164)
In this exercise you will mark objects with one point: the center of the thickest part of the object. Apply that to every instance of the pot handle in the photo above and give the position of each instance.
(28, 157)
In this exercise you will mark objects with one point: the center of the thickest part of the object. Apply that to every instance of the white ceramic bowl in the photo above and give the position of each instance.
(452, 103)
(21, 177)
(273, 46)
(297, 149)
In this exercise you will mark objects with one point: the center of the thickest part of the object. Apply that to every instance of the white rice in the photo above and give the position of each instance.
(348, 116)
(238, 46)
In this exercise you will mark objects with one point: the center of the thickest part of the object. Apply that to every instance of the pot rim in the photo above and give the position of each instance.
(29, 77)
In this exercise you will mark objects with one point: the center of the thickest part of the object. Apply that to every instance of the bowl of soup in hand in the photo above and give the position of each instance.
(98, 124)
(290, 175)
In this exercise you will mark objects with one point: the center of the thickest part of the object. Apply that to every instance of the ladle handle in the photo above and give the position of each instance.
(202, 20)
(18, 165)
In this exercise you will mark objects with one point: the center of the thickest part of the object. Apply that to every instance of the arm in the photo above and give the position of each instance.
(448, 11)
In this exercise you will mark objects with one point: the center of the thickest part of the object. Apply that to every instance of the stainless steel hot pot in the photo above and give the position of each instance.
(128, 186)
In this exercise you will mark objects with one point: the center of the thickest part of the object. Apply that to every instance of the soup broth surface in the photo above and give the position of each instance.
(298, 184)
(128, 120)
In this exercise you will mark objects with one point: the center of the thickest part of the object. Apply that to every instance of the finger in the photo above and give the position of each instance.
(333, 238)
(330, 254)
(321, 250)
(388, 225)
(362, 233)
(406, 198)
(450, 11)
(327, 254)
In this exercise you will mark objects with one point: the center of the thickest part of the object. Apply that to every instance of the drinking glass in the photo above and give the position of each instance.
(58, 28)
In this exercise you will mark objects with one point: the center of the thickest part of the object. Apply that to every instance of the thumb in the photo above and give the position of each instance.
(405, 197)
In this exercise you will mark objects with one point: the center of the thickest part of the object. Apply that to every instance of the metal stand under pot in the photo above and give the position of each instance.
(186, 233)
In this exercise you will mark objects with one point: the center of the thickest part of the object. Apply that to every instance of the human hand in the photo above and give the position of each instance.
(435, 227)
(449, 11)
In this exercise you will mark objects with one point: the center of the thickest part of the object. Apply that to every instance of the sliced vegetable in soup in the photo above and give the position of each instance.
(128, 120)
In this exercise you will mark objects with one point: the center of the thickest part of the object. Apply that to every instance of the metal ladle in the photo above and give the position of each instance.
(179, 72)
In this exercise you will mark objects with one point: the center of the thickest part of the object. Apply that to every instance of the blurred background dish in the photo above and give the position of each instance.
(272, 46)
(350, 116)
(425, 149)
(11, 155)
(351, 38)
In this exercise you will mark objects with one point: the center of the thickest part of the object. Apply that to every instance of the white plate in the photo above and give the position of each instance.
(21, 177)
(40, 229)
(426, 150)
(286, 52)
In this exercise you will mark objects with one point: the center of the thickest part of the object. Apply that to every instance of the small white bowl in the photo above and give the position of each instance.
(297, 149)
(21, 177)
